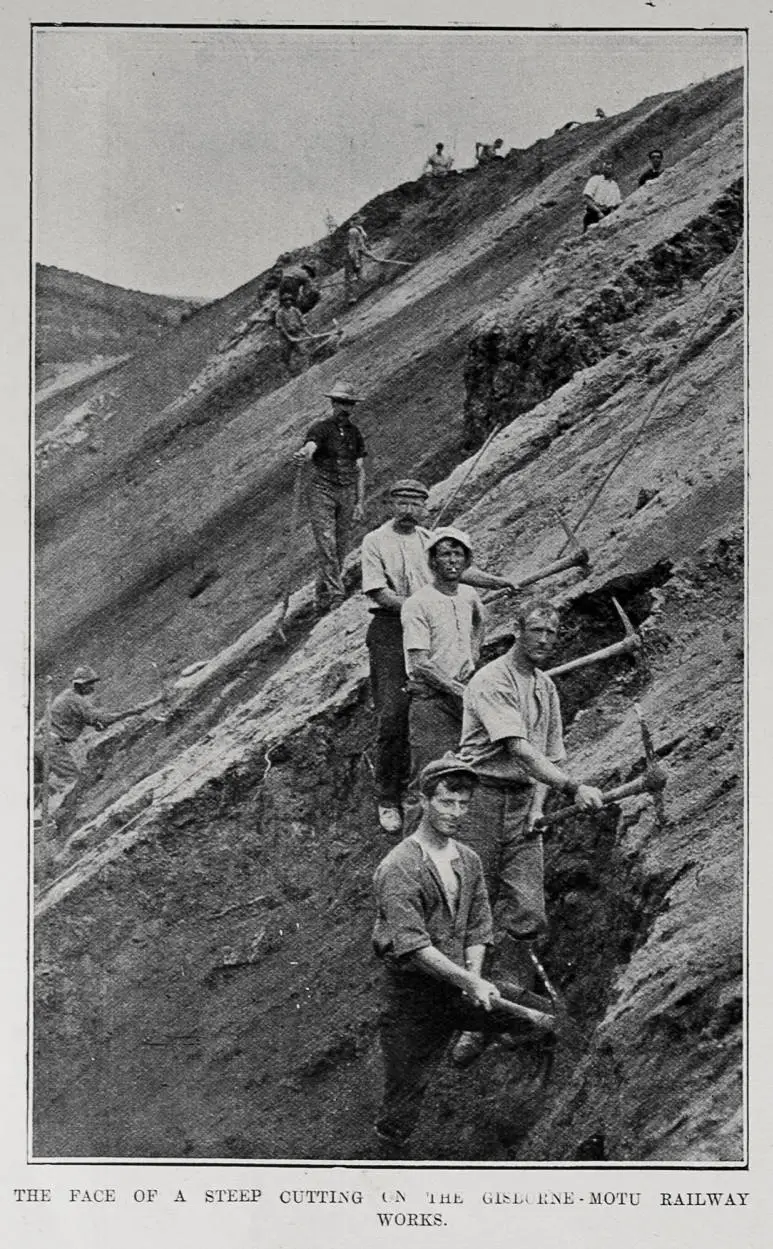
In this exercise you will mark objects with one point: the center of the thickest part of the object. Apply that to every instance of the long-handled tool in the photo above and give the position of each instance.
(383, 260)
(294, 518)
(580, 559)
(652, 781)
(539, 1018)
(630, 645)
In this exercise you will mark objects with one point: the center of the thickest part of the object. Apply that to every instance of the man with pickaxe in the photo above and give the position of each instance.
(513, 738)
(432, 929)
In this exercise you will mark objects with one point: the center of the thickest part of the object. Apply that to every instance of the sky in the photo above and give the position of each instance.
(183, 161)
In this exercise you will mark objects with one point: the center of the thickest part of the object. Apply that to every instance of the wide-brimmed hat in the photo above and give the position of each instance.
(344, 392)
(439, 769)
(448, 531)
(84, 675)
(409, 485)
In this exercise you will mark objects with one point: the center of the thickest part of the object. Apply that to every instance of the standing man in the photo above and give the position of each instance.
(601, 195)
(512, 736)
(443, 625)
(356, 248)
(71, 712)
(438, 164)
(432, 929)
(655, 166)
(394, 565)
(337, 453)
(294, 335)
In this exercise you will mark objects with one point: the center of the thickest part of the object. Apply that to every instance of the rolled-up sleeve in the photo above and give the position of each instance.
(417, 632)
(374, 575)
(480, 927)
(400, 927)
(500, 717)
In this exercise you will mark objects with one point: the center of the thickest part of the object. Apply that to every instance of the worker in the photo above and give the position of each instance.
(71, 712)
(438, 163)
(443, 625)
(601, 195)
(394, 565)
(432, 929)
(298, 280)
(336, 449)
(294, 335)
(512, 737)
(655, 168)
(485, 153)
(600, 115)
(356, 248)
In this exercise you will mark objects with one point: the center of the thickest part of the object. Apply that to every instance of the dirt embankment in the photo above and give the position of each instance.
(209, 941)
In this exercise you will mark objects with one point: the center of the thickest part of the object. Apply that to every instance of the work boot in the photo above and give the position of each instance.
(390, 818)
(468, 1049)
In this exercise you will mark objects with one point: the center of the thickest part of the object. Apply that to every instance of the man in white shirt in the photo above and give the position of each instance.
(394, 565)
(356, 248)
(601, 195)
(438, 163)
(443, 626)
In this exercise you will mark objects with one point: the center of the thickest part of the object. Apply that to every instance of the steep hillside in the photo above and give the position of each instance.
(78, 319)
(205, 936)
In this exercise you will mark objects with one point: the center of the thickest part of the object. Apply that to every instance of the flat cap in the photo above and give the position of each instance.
(448, 765)
(409, 485)
(84, 675)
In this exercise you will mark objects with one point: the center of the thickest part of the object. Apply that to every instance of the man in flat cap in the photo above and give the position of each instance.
(336, 449)
(433, 925)
(394, 565)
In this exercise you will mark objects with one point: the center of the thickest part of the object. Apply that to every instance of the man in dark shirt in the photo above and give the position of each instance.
(432, 929)
(297, 281)
(655, 167)
(337, 453)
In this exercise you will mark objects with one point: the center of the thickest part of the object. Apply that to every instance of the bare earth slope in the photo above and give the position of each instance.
(207, 939)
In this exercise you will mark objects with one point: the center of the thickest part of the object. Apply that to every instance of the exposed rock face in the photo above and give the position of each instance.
(207, 939)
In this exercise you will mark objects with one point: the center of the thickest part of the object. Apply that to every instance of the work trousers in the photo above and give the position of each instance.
(434, 726)
(593, 216)
(295, 356)
(387, 686)
(352, 272)
(419, 1018)
(512, 864)
(331, 508)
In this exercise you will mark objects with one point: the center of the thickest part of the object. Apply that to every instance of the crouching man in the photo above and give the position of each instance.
(432, 928)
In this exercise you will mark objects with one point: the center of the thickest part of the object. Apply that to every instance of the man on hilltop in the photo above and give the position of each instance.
(601, 195)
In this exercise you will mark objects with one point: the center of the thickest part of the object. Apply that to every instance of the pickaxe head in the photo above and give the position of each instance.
(636, 641)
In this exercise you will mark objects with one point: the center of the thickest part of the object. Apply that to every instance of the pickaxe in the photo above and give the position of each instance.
(630, 645)
(652, 781)
(578, 559)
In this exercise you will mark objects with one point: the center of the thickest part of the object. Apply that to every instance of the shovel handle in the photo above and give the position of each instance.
(538, 1018)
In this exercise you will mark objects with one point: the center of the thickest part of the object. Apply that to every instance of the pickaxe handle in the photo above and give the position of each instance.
(382, 260)
(538, 1018)
(652, 782)
(579, 558)
(626, 647)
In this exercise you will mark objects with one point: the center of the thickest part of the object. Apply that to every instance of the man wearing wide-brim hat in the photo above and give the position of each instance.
(394, 566)
(336, 449)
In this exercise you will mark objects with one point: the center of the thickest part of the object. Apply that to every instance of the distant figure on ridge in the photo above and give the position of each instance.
(601, 195)
(486, 153)
(438, 163)
(655, 166)
(337, 453)
(356, 248)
